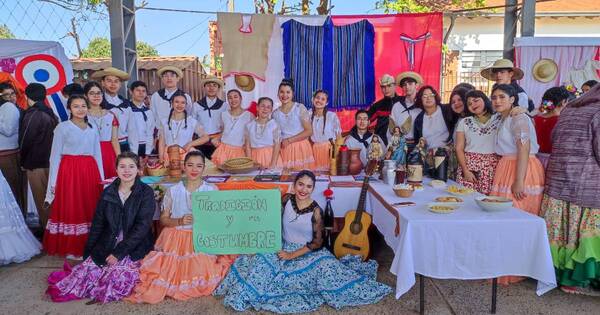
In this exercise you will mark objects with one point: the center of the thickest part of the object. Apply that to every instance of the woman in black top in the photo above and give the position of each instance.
(119, 238)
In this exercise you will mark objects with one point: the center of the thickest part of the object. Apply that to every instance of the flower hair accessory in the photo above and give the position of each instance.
(547, 106)
(328, 193)
(571, 88)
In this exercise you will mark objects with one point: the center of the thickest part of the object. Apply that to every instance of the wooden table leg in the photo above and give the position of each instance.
(421, 295)
(494, 293)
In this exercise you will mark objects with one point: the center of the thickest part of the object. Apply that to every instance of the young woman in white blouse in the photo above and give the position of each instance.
(325, 125)
(263, 136)
(179, 129)
(107, 125)
(230, 144)
(475, 143)
(74, 183)
(296, 151)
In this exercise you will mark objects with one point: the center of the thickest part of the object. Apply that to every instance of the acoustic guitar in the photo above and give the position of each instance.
(353, 238)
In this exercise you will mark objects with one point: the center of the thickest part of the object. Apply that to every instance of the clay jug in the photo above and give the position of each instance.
(356, 164)
(343, 161)
(174, 161)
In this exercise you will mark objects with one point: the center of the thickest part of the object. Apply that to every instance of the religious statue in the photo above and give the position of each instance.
(375, 148)
(397, 148)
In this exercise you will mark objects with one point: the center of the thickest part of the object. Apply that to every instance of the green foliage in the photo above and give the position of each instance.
(100, 47)
(419, 6)
(5, 32)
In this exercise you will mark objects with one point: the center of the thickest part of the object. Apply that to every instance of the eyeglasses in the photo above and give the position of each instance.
(9, 94)
(94, 93)
(429, 95)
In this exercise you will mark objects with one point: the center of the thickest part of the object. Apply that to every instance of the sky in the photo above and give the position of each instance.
(171, 33)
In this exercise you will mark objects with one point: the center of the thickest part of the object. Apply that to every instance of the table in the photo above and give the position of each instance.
(467, 244)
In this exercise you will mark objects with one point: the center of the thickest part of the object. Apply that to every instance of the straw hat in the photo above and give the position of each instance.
(213, 79)
(175, 70)
(409, 74)
(386, 79)
(544, 70)
(244, 82)
(98, 75)
(502, 64)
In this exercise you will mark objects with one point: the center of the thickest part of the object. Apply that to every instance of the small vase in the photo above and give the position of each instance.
(343, 162)
(356, 164)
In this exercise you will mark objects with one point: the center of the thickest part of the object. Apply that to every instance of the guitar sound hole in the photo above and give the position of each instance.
(355, 227)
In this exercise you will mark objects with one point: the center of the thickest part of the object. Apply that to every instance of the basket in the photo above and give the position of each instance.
(404, 193)
(161, 171)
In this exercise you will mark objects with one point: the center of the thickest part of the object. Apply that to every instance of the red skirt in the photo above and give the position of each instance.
(109, 159)
(77, 191)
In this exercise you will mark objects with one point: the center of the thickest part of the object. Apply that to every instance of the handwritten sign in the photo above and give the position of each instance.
(237, 221)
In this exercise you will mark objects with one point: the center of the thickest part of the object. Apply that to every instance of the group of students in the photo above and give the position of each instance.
(493, 141)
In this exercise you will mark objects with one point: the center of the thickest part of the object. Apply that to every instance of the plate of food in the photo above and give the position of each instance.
(441, 207)
(436, 183)
(493, 203)
(453, 200)
(459, 191)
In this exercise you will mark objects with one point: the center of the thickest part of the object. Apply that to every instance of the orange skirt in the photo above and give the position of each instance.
(263, 156)
(298, 156)
(322, 154)
(225, 152)
(534, 188)
(173, 269)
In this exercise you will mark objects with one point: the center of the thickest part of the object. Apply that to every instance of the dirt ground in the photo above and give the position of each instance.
(22, 289)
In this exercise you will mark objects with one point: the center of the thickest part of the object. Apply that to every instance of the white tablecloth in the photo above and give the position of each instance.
(466, 244)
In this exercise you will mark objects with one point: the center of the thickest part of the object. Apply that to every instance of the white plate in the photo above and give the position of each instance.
(494, 206)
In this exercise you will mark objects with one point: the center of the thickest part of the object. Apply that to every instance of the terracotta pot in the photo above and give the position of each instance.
(343, 162)
(174, 161)
(355, 163)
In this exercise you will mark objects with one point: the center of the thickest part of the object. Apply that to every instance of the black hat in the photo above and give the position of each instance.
(35, 92)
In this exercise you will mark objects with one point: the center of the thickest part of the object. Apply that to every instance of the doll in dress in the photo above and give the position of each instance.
(397, 148)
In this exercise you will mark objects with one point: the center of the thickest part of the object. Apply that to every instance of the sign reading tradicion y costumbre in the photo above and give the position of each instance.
(237, 221)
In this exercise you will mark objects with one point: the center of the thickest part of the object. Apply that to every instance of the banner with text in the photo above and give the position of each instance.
(237, 221)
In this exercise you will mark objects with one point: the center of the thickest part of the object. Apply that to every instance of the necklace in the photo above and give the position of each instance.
(259, 129)
(98, 121)
(177, 128)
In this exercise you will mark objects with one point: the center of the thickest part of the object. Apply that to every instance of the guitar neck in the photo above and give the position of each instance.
(363, 196)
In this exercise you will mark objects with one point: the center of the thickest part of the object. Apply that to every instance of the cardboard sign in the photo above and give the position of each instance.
(237, 221)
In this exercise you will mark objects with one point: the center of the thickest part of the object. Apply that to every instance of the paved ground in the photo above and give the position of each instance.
(22, 292)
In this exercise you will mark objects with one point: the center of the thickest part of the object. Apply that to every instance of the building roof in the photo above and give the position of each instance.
(556, 6)
(143, 63)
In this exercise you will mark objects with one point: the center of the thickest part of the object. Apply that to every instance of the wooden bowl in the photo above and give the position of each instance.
(404, 193)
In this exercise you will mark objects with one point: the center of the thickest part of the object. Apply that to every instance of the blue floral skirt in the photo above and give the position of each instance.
(265, 282)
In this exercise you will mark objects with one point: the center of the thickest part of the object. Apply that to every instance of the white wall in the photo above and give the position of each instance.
(481, 33)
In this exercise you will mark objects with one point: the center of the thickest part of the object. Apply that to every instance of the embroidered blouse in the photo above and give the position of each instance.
(234, 127)
(479, 137)
(178, 133)
(291, 123)
(261, 136)
(323, 131)
(161, 107)
(302, 225)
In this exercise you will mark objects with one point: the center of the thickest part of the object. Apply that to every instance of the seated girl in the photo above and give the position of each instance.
(263, 137)
(230, 144)
(302, 276)
(173, 269)
(179, 129)
(119, 238)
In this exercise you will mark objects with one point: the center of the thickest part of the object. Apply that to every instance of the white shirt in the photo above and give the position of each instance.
(352, 143)
(141, 131)
(234, 127)
(212, 124)
(399, 115)
(435, 131)
(103, 125)
(479, 138)
(296, 228)
(161, 108)
(331, 130)
(513, 129)
(69, 139)
(291, 123)
(261, 136)
(9, 126)
(178, 133)
(178, 200)
(122, 115)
